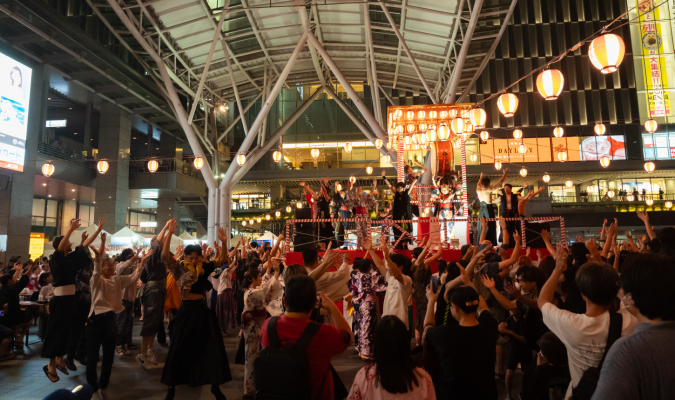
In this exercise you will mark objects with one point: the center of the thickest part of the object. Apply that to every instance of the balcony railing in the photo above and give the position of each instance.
(594, 198)
(54, 153)
(166, 165)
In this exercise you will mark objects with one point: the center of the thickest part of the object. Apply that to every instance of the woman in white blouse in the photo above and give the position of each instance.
(256, 294)
(106, 301)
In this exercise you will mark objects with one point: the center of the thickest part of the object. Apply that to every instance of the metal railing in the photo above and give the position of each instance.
(55, 153)
(166, 165)
(595, 198)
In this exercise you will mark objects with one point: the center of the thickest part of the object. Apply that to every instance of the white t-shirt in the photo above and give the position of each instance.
(225, 281)
(396, 297)
(484, 195)
(584, 337)
(333, 284)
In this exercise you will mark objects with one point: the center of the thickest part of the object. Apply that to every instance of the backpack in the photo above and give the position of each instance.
(282, 373)
(589, 380)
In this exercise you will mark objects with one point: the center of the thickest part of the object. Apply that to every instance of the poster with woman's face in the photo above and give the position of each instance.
(15, 80)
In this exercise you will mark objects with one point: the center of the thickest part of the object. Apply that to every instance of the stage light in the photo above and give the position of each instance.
(102, 167)
(507, 104)
(606, 52)
(550, 83)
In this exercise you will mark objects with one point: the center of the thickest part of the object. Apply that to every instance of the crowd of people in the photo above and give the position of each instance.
(590, 319)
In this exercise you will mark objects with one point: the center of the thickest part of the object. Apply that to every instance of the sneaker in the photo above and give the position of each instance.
(140, 357)
(125, 349)
(119, 351)
(151, 357)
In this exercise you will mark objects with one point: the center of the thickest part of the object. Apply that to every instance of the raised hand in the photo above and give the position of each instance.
(431, 296)
(516, 237)
(84, 237)
(101, 222)
(487, 281)
(643, 216)
(512, 289)
(465, 276)
(74, 224)
(383, 173)
(483, 222)
(561, 258)
(222, 236)
(146, 256)
(527, 251)
(546, 236)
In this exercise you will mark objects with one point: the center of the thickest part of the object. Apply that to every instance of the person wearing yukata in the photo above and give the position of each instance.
(361, 202)
(257, 293)
(400, 208)
(366, 281)
(445, 208)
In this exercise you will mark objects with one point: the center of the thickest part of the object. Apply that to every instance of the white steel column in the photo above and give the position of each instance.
(483, 64)
(373, 69)
(234, 122)
(408, 52)
(349, 89)
(173, 96)
(312, 51)
(205, 71)
(225, 214)
(212, 227)
(258, 153)
(461, 57)
(234, 85)
(264, 109)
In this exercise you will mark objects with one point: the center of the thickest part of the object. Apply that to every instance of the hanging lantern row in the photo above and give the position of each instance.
(433, 123)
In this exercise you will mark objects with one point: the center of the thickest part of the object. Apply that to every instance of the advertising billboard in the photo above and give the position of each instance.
(577, 148)
(15, 79)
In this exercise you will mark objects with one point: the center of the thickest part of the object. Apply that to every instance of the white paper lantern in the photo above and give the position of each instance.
(550, 83)
(606, 52)
(102, 167)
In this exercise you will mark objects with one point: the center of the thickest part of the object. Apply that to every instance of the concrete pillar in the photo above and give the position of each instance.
(16, 202)
(113, 187)
(167, 208)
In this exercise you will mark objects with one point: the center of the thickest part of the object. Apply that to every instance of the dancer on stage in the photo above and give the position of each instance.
(512, 205)
(410, 177)
(361, 202)
(64, 265)
(445, 208)
(401, 208)
(197, 353)
(325, 230)
(484, 191)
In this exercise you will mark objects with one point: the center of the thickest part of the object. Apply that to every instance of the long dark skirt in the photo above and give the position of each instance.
(61, 322)
(226, 309)
(197, 353)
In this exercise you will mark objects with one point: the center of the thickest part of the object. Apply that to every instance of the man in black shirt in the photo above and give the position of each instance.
(465, 353)
(400, 207)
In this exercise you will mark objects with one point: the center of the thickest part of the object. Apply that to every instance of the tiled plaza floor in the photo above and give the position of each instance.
(22, 378)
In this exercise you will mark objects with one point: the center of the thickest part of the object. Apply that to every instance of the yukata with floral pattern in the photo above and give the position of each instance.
(361, 205)
(255, 300)
(364, 287)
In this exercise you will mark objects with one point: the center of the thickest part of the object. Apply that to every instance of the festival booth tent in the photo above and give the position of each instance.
(204, 239)
(76, 236)
(188, 239)
(175, 242)
(267, 237)
(126, 237)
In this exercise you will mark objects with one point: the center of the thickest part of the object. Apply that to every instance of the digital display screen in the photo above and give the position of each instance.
(15, 80)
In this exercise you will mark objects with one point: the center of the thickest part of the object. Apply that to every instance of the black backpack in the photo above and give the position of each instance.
(589, 380)
(282, 373)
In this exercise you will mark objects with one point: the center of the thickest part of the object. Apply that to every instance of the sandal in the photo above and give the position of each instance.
(63, 370)
(52, 377)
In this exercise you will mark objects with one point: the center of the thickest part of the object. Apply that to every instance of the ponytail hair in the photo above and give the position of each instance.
(249, 276)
